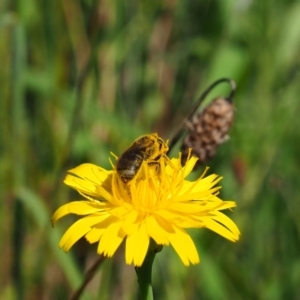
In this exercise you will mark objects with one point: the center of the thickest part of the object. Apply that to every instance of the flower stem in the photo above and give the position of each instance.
(144, 273)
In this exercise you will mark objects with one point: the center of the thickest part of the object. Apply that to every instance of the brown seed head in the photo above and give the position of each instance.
(207, 130)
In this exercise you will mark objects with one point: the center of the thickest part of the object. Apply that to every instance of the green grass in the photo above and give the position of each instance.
(79, 79)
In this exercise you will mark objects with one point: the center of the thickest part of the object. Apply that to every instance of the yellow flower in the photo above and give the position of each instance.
(157, 205)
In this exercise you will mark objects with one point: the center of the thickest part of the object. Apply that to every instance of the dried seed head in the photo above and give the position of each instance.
(207, 130)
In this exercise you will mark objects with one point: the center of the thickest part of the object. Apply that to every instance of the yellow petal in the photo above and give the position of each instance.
(131, 222)
(160, 217)
(111, 239)
(92, 173)
(169, 216)
(137, 246)
(226, 221)
(202, 184)
(79, 229)
(220, 229)
(191, 223)
(184, 246)
(120, 211)
(201, 195)
(87, 187)
(189, 166)
(226, 205)
(90, 179)
(94, 235)
(188, 208)
(180, 219)
(174, 165)
(159, 235)
(78, 208)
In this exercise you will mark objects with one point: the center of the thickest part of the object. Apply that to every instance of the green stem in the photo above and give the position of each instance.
(144, 273)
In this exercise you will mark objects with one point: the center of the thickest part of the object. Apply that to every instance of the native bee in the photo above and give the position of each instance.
(149, 148)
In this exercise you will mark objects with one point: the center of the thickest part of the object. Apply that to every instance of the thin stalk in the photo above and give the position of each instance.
(144, 272)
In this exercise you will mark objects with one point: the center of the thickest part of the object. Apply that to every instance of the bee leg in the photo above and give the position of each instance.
(154, 163)
(157, 163)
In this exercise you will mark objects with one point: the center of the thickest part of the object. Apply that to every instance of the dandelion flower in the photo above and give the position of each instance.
(154, 205)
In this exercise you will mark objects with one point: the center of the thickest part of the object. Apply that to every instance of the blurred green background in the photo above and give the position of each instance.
(81, 78)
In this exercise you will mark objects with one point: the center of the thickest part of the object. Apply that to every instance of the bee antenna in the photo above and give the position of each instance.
(179, 132)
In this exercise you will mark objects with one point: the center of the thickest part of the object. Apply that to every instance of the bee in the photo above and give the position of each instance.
(149, 148)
